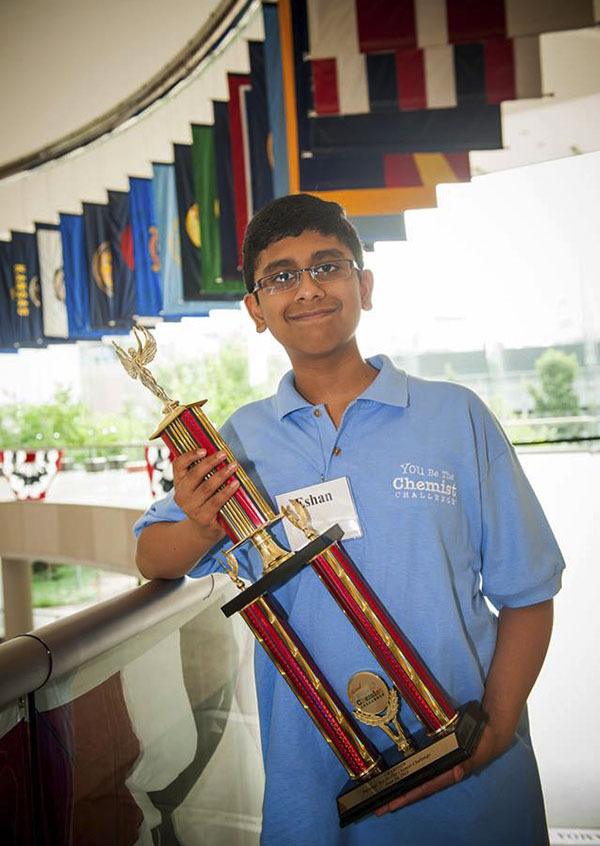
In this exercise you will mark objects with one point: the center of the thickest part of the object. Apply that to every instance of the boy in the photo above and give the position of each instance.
(431, 552)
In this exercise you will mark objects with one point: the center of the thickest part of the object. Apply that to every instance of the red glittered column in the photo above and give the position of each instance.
(247, 510)
(384, 639)
(347, 741)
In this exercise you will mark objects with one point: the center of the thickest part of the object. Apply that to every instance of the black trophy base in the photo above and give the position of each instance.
(433, 756)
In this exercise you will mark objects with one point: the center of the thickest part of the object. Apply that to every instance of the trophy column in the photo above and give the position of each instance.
(245, 517)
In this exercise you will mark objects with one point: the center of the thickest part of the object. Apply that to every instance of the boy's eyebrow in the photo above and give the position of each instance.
(330, 252)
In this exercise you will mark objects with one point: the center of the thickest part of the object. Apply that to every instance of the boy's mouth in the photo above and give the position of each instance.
(313, 314)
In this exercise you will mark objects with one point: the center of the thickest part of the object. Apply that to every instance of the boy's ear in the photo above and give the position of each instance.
(366, 289)
(255, 312)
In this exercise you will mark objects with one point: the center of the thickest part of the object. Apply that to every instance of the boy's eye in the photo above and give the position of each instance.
(282, 276)
(325, 268)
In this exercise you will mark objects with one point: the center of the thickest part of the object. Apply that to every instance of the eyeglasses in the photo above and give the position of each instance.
(285, 280)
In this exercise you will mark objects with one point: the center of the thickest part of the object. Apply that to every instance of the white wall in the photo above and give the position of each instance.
(65, 62)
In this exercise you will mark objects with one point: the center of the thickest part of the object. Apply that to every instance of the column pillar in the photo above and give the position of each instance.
(16, 587)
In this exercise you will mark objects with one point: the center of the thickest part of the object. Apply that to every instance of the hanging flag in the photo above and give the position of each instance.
(275, 101)
(121, 245)
(167, 219)
(230, 266)
(26, 290)
(259, 138)
(8, 338)
(384, 25)
(374, 186)
(52, 279)
(238, 84)
(99, 265)
(75, 267)
(189, 222)
(145, 247)
(471, 124)
(214, 283)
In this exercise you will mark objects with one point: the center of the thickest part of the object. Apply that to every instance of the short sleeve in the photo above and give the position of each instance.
(521, 562)
(164, 510)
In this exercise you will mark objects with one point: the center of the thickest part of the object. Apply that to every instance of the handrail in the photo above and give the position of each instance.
(219, 23)
(94, 535)
(29, 662)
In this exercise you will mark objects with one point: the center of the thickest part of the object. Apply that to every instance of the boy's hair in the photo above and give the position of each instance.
(291, 216)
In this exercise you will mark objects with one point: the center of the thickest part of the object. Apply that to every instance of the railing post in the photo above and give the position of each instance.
(16, 587)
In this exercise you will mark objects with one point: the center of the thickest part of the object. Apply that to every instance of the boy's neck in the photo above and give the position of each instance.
(333, 380)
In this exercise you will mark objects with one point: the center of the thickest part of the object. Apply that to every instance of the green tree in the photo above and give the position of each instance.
(555, 396)
(221, 379)
(62, 421)
(65, 422)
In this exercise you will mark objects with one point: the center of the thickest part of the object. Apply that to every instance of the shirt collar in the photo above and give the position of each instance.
(389, 387)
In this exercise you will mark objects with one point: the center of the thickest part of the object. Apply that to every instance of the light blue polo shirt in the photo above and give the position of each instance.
(447, 519)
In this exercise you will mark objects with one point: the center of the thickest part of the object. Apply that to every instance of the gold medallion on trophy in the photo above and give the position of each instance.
(376, 704)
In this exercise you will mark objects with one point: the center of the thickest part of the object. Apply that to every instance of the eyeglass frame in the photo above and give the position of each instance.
(298, 271)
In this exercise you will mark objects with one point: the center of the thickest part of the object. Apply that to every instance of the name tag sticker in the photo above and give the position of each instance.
(327, 503)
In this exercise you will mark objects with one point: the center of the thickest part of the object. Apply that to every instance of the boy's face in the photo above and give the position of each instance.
(313, 319)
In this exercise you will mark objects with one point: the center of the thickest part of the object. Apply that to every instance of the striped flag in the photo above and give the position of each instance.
(374, 186)
(405, 54)
(399, 24)
(52, 279)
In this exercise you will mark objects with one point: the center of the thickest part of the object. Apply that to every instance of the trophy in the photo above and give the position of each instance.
(448, 735)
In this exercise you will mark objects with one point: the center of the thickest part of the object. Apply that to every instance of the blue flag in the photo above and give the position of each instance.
(275, 100)
(167, 219)
(121, 245)
(26, 290)
(76, 278)
(106, 301)
(145, 247)
(8, 338)
(257, 119)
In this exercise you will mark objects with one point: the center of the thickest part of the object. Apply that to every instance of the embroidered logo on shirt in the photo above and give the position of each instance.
(427, 483)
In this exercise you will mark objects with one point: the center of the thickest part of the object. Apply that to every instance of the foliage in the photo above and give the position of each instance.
(555, 396)
(62, 584)
(65, 422)
(222, 379)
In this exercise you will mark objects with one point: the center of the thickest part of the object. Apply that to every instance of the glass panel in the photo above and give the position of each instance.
(15, 782)
(157, 740)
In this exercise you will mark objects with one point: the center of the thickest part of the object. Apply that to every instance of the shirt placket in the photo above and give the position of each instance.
(329, 438)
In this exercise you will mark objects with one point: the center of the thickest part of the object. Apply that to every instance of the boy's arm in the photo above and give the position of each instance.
(521, 645)
(167, 550)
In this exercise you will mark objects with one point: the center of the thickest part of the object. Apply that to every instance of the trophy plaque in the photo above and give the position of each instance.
(448, 735)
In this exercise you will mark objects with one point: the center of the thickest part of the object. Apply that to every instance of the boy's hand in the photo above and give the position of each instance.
(488, 748)
(199, 497)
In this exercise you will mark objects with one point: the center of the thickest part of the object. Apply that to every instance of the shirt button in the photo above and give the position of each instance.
(317, 412)
(337, 451)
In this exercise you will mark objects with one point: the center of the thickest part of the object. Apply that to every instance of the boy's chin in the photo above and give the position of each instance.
(321, 349)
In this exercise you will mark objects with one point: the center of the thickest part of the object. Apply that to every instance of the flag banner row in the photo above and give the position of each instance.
(379, 25)
(369, 104)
